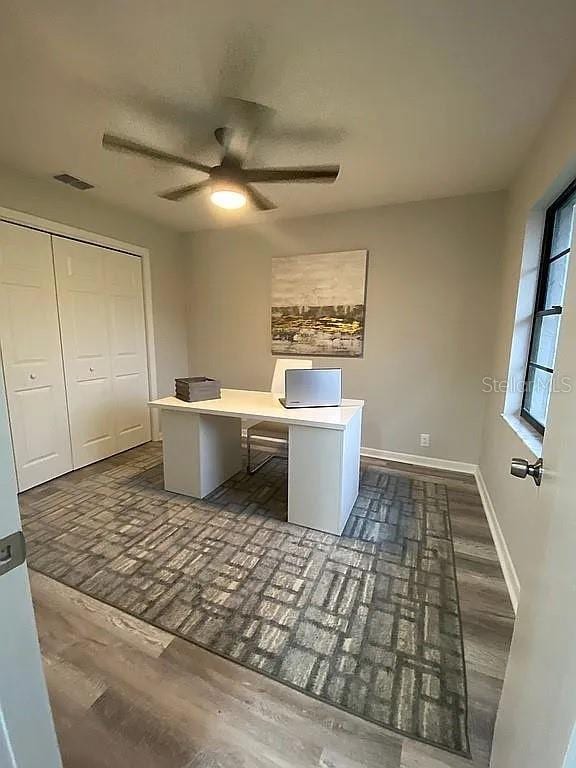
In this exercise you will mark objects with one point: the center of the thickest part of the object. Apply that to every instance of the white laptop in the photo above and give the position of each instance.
(312, 387)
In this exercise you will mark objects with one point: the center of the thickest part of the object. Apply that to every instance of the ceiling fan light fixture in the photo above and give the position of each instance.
(229, 197)
(229, 183)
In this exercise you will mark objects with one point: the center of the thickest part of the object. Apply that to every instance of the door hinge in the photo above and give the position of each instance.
(12, 552)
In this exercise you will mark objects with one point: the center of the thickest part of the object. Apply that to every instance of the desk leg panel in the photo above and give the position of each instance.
(350, 467)
(200, 451)
(323, 475)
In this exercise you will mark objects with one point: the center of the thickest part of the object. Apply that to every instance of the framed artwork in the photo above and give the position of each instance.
(319, 304)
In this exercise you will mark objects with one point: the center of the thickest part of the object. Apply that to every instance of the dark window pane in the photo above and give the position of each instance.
(537, 394)
(563, 227)
(557, 246)
(544, 340)
(556, 282)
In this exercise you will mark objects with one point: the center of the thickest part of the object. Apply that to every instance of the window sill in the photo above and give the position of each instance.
(530, 437)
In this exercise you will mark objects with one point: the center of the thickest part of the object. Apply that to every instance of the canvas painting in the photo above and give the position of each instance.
(318, 304)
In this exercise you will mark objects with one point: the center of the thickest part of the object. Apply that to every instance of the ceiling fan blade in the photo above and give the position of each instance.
(243, 121)
(322, 174)
(179, 193)
(119, 144)
(258, 200)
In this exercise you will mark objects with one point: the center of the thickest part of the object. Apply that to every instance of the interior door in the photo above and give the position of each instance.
(128, 349)
(538, 706)
(81, 272)
(27, 736)
(32, 356)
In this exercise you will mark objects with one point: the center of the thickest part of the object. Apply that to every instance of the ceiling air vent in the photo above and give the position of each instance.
(72, 181)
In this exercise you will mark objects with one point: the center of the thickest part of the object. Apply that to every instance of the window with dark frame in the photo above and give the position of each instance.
(556, 244)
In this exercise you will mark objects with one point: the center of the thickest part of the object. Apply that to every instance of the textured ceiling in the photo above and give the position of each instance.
(415, 98)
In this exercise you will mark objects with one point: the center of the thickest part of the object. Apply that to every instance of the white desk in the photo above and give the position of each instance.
(202, 444)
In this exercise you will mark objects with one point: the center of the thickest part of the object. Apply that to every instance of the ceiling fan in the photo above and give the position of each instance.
(230, 182)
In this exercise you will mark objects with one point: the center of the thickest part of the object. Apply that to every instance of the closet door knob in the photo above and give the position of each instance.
(91, 369)
(32, 376)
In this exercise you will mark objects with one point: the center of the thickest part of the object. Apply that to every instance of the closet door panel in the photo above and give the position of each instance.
(83, 306)
(32, 357)
(128, 349)
(104, 341)
(86, 335)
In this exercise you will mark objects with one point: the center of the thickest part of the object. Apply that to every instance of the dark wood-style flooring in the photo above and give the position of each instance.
(127, 695)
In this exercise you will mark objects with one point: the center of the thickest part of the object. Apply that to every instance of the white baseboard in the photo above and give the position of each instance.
(423, 461)
(510, 575)
(404, 458)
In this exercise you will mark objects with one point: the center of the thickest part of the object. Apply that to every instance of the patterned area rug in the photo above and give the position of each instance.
(368, 621)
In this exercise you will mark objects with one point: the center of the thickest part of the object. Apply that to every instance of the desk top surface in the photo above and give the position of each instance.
(248, 404)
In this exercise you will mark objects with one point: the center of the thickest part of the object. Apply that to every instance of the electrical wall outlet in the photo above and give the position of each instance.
(424, 440)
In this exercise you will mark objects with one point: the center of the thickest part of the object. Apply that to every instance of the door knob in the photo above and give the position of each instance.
(32, 376)
(521, 468)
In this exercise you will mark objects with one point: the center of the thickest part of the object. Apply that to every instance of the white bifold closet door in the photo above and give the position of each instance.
(104, 346)
(31, 356)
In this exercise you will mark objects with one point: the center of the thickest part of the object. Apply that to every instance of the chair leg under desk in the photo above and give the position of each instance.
(253, 469)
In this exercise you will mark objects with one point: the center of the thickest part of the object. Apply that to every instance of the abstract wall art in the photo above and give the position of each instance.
(319, 304)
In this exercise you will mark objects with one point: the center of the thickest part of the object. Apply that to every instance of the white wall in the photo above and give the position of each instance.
(549, 167)
(430, 307)
(52, 201)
